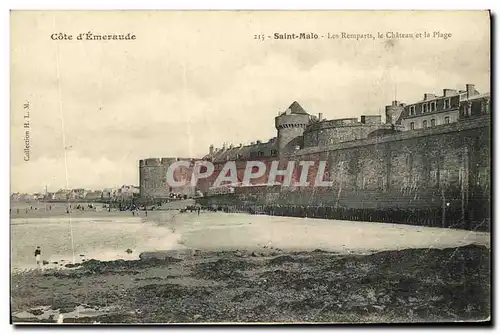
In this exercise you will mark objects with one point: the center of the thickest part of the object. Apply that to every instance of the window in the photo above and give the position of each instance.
(424, 124)
(412, 126)
(447, 104)
(261, 154)
(412, 110)
(433, 122)
(424, 107)
(432, 106)
(447, 120)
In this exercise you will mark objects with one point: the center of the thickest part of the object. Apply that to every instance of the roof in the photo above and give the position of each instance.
(243, 152)
(296, 108)
(479, 96)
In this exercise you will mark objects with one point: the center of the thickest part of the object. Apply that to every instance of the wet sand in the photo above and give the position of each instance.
(230, 231)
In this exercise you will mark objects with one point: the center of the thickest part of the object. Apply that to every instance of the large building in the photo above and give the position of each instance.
(432, 110)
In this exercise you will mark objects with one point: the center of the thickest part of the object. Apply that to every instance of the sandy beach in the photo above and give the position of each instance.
(41, 209)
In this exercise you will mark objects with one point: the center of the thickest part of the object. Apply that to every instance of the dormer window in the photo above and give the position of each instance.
(412, 110)
(424, 107)
(447, 104)
(432, 106)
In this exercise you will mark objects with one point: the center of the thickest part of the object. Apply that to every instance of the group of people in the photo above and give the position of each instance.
(178, 196)
(81, 207)
(69, 208)
(31, 208)
(192, 208)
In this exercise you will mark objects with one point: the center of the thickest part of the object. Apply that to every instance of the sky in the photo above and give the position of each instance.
(191, 79)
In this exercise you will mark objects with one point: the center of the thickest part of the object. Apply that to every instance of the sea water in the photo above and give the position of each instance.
(73, 240)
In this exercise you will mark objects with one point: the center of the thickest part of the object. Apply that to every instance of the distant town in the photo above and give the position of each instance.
(124, 193)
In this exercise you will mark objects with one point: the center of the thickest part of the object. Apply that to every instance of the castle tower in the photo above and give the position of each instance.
(153, 178)
(291, 125)
(393, 112)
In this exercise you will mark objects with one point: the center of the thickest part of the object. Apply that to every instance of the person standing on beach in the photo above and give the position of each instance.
(38, 256)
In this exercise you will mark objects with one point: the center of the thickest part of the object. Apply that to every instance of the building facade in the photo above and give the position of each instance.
(435, 110)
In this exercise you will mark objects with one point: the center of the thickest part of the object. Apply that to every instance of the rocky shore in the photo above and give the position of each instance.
(271, 285)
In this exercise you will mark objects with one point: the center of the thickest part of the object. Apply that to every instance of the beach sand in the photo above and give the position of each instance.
(43, 210)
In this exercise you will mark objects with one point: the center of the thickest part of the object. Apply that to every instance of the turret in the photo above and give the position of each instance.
(291, 125)
(393, 112)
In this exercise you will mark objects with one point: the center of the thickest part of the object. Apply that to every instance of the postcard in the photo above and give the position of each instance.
(221, 167)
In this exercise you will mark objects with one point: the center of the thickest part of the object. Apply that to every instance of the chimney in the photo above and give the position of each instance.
(428, 96)
(211, 149)
(449, 92)
(470, 90)
(320, 116)
(395, 103)
(241, 145)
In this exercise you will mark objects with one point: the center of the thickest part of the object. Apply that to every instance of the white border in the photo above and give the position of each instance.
(255, 4)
